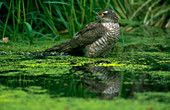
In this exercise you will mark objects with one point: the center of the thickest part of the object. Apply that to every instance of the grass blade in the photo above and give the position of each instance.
(139, 9)
(29, 31)
(7, 19)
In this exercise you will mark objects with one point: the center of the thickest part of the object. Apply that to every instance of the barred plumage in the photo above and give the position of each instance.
(96, 38)
(102, 46)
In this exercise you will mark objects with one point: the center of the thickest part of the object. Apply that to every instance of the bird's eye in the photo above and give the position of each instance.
(102, 15)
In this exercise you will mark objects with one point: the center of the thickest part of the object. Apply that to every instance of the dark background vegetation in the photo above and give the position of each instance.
(50, 19)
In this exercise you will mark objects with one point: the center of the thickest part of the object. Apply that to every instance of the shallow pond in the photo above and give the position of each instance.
(133, 76)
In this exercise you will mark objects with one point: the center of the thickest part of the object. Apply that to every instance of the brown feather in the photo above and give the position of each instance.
(90, 33)
(96, 38)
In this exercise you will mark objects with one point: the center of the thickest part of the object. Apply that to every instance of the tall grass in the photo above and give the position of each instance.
(29, 20)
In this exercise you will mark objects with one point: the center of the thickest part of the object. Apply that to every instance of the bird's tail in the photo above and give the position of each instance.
(63, 47)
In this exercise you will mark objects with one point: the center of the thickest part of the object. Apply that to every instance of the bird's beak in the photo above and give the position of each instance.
(97, 18)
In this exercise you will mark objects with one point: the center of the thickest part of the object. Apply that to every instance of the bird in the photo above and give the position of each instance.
(96, 39)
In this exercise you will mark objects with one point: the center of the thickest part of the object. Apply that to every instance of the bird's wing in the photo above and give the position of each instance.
(90, 33)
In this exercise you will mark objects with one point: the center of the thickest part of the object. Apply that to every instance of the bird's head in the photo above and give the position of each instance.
(107, 16)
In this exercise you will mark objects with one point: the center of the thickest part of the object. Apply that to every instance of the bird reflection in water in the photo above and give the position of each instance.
(100, 79)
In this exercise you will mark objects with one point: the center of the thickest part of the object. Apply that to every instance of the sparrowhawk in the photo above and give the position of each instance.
(96, 39)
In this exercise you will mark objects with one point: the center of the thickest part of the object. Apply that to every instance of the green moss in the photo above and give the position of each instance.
(36, 81)
(18, 99)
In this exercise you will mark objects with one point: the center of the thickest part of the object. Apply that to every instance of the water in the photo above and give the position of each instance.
(61, 78)
(137, 77)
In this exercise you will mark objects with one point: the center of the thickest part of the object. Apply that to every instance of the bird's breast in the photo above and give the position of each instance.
(113, 31)
(104, 44)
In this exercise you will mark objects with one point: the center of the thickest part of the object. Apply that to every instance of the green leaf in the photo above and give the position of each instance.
(1, 4)
(29, 31)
